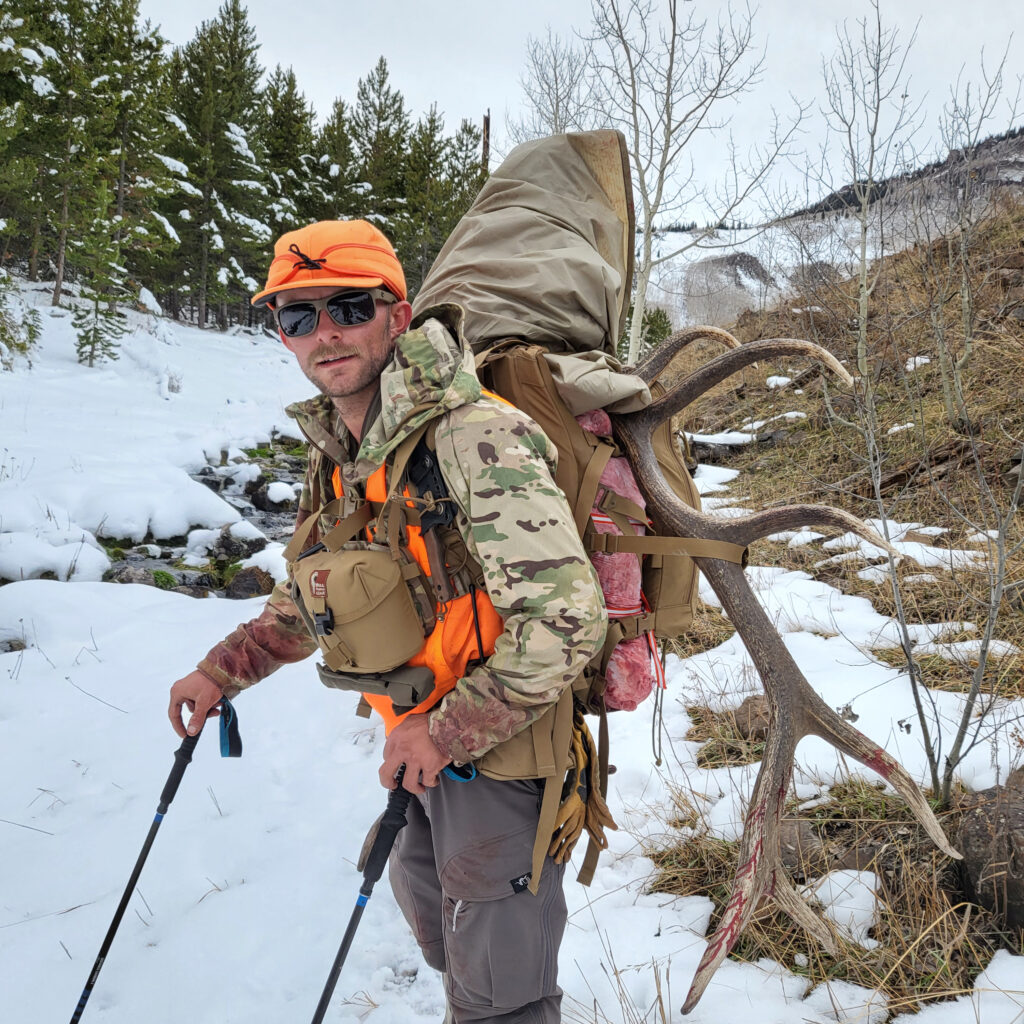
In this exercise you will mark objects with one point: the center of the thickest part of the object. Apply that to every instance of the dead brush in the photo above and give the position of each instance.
(932, 942)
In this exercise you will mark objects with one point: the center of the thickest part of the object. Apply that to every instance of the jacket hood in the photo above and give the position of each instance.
(431, 373)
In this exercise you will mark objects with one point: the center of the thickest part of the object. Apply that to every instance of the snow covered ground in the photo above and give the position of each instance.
(251, 879)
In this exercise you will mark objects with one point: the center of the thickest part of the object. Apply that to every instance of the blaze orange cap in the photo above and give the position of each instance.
(341, 253)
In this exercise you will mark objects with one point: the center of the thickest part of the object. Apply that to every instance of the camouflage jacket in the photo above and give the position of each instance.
(515, 521)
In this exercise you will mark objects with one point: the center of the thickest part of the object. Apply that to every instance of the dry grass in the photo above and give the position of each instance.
(710, 629)
(1004, 676)
(932, 941)
(723, 743)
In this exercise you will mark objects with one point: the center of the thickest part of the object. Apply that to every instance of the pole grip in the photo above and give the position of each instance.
(182, 759)
(392, 822)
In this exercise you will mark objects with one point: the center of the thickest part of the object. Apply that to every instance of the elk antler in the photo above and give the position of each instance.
(653, 365)
(795, 709)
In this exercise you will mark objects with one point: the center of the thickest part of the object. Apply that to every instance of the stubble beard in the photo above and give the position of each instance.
(369, 375)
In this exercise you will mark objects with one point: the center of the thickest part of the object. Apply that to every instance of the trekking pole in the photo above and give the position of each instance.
(392, 821)
(231, 746)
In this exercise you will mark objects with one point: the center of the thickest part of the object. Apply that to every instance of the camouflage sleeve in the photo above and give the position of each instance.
(276, 637)
(517, 524)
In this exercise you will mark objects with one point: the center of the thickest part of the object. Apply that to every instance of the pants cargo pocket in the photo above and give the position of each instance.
(501, 946)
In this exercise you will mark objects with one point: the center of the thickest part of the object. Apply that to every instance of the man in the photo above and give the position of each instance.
(511, 636)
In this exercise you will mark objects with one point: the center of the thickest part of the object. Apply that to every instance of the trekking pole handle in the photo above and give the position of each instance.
(182, 759)
(392, 821)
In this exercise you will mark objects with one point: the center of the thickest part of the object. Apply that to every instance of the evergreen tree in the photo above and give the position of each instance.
(380, 131)
(657, 326)
(136, 88)
(19, 61)
(98, 323)
(337, 196)
(67, 120)
(20, 324)
(286, 134)
(422, 227)
(222, 222)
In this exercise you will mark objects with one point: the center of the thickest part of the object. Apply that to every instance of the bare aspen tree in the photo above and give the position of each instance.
(872, 122)
(664, 76)
(947, 216)
(556, 89)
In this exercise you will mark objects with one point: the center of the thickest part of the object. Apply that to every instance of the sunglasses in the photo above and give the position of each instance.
(346, 309)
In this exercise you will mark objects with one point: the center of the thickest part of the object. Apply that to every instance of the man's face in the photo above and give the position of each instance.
(343, 361)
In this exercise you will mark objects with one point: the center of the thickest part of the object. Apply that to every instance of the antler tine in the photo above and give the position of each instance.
(718, 369)
(795, 710)
(793, 517)
(652, 367)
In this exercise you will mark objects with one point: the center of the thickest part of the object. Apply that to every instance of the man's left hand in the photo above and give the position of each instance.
(410, 744)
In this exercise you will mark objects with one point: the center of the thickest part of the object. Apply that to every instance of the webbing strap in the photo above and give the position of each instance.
(299, 538)
(647, 545)
(389, 522)
(561, 738)
(589, 484)
(589, 865)
(613, 503)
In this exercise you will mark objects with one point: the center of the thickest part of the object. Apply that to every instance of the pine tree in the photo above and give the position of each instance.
(380, 131)
(422, 226)
(66, 121)
(19, 61)
(98, 323)
(337, 196)
(286, 134)
(224, 235)
(136, 89)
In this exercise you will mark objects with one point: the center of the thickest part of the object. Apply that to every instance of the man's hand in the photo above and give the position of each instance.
(201, 695)
(410, 744)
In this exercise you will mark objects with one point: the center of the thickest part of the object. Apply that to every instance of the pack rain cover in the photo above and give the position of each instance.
(545, 253)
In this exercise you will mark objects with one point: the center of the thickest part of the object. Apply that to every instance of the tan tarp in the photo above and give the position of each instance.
(546, 251)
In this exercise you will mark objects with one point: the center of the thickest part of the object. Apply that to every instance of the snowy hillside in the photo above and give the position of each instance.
(722, 273)
(251, 880)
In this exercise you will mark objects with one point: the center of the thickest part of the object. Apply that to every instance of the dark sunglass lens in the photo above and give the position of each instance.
(297, 319)
(351, 308)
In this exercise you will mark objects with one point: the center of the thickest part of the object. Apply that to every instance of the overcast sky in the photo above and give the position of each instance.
(467, 55)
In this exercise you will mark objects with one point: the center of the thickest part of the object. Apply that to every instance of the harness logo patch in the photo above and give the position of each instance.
(318, 582)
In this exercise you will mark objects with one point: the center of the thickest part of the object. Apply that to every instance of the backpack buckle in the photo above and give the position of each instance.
(324, 622)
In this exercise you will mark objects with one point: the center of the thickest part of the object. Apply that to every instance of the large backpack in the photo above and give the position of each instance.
(542, 265)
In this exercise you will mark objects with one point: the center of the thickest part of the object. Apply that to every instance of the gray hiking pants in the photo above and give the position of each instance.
(454, 871)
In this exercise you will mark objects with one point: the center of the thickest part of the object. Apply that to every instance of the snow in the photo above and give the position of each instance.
(174, 166)
(251, 879)
(280, 491)
(777, 382)
(915, 363)
(899, 428)
(147, 300)
(848, 898)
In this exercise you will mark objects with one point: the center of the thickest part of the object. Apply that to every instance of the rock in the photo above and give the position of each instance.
(249, 582)
(208, 477)
(11, 644)
(130, 574)
(190, 591)
(991, 839)
(231, 548)
(800, 848)
(751, 718)
(198, 580)
(263, 499)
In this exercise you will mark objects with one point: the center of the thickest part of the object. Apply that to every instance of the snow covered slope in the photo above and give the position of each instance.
(251, 880)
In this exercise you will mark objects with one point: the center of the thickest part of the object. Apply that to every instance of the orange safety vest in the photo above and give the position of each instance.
(452, 644)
